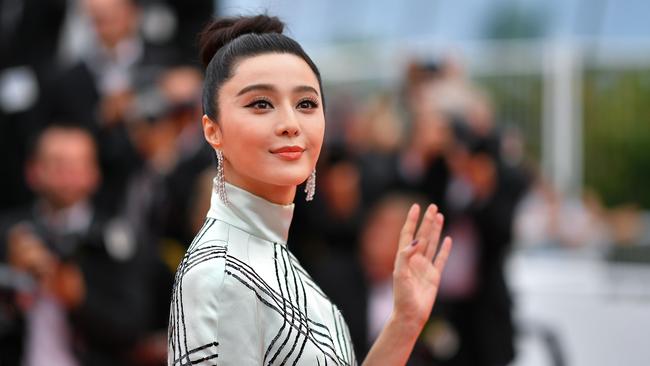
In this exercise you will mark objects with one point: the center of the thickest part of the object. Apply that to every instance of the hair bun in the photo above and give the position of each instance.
(223, 30)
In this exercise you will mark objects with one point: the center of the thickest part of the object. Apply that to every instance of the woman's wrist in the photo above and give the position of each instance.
(405, 327)
(395, 342)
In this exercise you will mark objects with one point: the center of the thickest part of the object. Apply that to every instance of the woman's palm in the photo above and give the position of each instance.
(416, 276)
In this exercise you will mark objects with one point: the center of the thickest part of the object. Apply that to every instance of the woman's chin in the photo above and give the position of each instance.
(287, 180)
(291, 182)
(289, 176)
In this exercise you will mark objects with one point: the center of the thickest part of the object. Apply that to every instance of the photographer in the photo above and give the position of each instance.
(88, 305)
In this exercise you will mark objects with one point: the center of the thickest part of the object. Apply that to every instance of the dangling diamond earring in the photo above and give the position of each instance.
(310, 187)
(220, 182)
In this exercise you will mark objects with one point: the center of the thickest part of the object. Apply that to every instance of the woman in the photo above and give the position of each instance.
(240, 297)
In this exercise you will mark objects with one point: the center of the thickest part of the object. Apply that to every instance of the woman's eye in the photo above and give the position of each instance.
(260, 104)
(307, 104)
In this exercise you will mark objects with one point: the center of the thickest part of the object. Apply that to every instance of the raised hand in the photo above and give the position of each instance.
(417, 274)
(416, 278)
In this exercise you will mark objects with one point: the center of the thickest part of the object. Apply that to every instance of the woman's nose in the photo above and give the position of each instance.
(288, 125)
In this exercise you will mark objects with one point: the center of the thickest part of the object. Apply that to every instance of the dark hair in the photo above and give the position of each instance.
(225, 41)
(34, 140)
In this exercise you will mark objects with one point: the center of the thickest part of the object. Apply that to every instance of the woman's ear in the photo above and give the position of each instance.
(211, 131)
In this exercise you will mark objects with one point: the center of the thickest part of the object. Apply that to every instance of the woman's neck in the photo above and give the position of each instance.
(281, 195)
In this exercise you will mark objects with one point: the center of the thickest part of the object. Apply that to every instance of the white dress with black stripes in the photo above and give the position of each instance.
(241, 298)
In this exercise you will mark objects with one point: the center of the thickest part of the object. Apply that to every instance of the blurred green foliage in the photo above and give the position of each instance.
(516, 20)
(616, 114)
(517, 100)
(617, 134)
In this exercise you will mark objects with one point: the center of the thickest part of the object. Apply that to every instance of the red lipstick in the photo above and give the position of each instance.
(289, 152)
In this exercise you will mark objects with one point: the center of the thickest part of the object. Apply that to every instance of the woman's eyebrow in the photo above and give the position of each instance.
(269, 87)
(265, 87)
(305, 88)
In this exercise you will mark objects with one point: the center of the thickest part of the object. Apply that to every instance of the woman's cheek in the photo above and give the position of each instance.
(316, 137)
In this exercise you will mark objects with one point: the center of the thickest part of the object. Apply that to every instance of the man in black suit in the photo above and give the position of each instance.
(97, 90)
(93, 278)
(472, 322)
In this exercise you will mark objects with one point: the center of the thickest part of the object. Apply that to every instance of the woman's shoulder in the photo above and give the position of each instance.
(223, 256)
(203, 266)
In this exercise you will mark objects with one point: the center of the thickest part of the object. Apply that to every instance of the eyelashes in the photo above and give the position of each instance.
(307, 103)
(262, 103)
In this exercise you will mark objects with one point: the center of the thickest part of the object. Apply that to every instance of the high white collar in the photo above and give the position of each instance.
(253, 214)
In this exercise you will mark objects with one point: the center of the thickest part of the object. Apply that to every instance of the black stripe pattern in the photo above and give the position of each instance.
(241, 300)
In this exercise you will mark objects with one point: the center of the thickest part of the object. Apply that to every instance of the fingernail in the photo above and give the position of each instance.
(414, 242)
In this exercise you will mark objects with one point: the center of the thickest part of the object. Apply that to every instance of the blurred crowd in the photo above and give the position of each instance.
(435, 140)
(102, 160)
(106, 178)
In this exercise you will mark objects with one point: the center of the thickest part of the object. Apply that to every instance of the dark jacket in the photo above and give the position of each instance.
(118, 274)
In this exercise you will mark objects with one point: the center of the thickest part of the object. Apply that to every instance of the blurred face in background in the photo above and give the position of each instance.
(152, 138)
(480, 115)
(380, 238)
(182, 85)
(270, 126)
(341, 185)
(113, 20)
(482, 174)
(64, 168)
(431, 133)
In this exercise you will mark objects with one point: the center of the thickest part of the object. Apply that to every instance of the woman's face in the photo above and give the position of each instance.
(271, 125)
